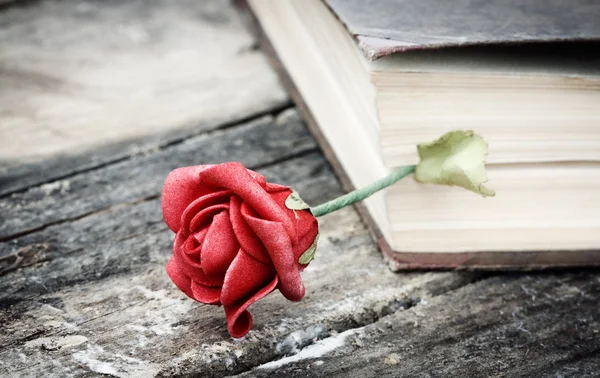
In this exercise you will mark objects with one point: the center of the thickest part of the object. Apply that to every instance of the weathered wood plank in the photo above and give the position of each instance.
(4, 4)
(117, 240)
(17, 176)
(513, 325)
(90, 295)
(140, 324)
(83, 290)
(258, 143)
(128, 76)
(123, 317)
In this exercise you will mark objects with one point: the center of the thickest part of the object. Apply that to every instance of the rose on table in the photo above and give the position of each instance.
(238, 237)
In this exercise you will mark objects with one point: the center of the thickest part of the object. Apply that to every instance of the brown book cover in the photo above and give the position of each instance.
(398, 260)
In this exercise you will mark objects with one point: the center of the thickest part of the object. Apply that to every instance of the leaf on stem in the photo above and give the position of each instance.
(294, 202)
(455, 159)
(309, 254)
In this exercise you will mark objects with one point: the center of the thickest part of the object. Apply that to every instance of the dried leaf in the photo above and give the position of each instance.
(309, 254)
(294, 202)
(455, 159)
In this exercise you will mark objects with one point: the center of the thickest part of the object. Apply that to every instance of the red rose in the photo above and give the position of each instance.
(236, 240)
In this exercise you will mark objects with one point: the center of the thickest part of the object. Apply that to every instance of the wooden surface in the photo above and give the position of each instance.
(83, 290)
(77, 77)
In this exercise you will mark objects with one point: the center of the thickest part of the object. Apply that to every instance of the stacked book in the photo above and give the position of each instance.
(373, 79)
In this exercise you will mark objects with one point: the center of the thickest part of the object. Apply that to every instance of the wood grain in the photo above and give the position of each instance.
(257, 143)
(511, 325)
(83, 288)
(90, 295)
(136, 323)
(127, 76)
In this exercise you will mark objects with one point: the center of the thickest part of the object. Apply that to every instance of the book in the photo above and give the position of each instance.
(374, 79)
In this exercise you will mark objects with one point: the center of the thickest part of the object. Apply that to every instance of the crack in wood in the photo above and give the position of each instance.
(181, 97)
(274, 112)
(380, 314)
(34, 335)
(42, 332)
(302, 339)
(254, 144)
(108, 313)
(8, 238)
(76, 218)
(441, 338)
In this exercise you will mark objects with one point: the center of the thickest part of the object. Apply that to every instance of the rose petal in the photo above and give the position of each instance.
(197, 239)
(200, 235)
(234, 176)
(260, 179)
(188, 266)
(204, 217)
(206, 294)
(182, 186)
(180, 279)
(239, 321)
(276, 187)
(181, 252)
(220, 246)
(244, 234)
(278, 244)
(204, 202)
(244, 278)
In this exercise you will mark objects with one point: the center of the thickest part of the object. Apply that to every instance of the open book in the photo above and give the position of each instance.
(374, 79)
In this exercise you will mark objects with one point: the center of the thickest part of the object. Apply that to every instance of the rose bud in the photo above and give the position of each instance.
(236, 240)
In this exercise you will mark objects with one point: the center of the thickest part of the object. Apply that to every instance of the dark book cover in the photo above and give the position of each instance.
(384, 27)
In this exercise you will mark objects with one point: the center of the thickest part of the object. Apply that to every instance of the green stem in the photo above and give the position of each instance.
(362, 193)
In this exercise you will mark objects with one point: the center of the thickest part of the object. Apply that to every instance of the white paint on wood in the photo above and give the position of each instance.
(97, 360)
(317, 350)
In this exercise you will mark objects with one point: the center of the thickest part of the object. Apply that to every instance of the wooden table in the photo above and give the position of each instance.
(98, 102)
